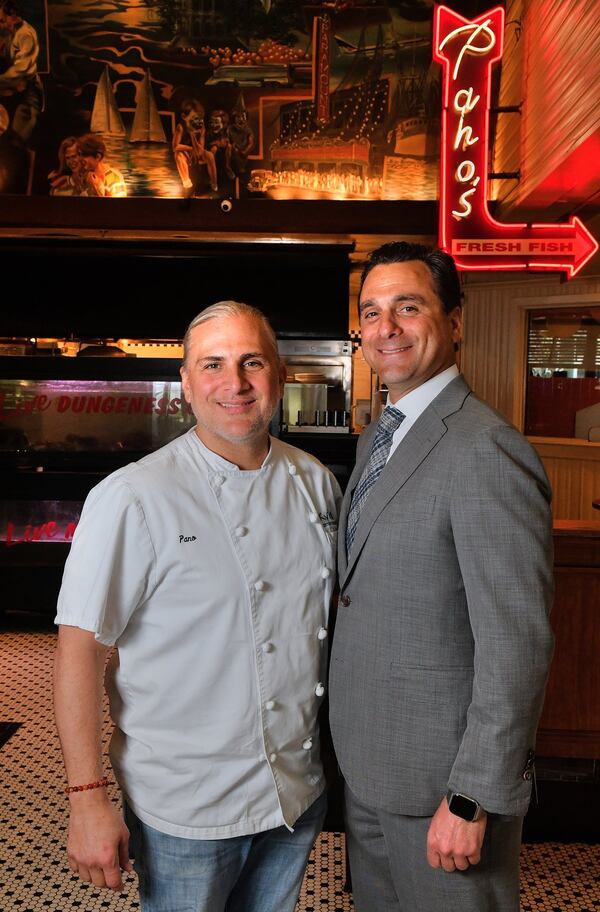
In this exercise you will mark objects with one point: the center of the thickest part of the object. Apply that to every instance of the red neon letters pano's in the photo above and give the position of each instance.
(467, 50)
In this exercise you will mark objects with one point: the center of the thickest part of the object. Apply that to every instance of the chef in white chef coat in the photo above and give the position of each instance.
(209, 565)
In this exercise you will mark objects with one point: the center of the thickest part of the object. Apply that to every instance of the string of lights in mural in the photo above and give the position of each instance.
(467, 50)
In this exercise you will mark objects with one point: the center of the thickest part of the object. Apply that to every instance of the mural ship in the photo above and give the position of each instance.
(340, 145)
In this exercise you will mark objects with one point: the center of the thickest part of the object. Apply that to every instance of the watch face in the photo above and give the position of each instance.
(463, 807)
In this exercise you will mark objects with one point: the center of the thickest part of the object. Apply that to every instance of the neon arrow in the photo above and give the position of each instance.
(467, 50)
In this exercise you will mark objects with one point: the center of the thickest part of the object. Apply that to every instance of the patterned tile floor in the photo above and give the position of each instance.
(33, 873)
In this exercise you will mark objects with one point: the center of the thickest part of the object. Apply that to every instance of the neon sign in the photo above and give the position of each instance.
(467, 50)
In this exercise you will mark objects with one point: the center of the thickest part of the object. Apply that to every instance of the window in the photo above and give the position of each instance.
(563, 373)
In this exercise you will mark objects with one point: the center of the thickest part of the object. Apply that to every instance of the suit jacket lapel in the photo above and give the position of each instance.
(423, 436)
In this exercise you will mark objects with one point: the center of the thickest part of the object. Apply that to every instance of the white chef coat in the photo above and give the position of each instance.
(214, 584)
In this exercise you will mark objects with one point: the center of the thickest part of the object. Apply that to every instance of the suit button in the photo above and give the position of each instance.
(344, 600)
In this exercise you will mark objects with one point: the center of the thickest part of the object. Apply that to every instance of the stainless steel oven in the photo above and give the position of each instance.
(318, 391)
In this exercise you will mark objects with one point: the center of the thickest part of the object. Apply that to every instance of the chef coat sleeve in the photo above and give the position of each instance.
(110, 567)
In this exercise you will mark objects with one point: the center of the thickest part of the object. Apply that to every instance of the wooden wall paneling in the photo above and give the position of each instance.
(493, 359)
(560, 103)
(573, 469)
(507, 137)
(570, 723)
(494, 340)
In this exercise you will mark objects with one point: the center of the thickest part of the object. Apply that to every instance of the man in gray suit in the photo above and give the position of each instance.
(442, 642)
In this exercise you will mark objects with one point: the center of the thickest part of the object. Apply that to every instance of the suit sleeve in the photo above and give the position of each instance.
(502, 527)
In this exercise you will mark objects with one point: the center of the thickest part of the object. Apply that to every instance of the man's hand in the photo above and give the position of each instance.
(453, 843)
(98, 841)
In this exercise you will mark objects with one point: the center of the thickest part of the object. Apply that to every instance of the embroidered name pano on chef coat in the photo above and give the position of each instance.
(186, 538)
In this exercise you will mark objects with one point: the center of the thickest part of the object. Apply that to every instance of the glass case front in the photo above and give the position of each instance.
(102, 416)
(28, 521)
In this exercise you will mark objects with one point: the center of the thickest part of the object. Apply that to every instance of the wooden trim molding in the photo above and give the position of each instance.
(573, 469)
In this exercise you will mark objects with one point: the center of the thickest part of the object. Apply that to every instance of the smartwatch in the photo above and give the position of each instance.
(463, 806)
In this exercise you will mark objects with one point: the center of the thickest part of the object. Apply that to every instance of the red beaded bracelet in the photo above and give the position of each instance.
(101, 783)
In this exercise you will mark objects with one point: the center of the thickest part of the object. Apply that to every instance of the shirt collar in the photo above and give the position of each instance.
(219, 463)
(414, 403)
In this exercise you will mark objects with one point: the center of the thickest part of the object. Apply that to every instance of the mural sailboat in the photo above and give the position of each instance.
(147, 125)
(105, 113)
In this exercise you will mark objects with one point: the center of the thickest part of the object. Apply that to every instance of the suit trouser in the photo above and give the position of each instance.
(390, 873)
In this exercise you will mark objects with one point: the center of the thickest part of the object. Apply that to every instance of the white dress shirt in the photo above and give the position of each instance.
(413, 404)
(214, 584)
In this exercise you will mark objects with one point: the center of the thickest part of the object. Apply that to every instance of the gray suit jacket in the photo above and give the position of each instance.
(440, 659)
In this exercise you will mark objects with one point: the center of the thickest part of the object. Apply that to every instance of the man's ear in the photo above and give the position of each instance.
(185, 384)
(456, 324)
(282, 377)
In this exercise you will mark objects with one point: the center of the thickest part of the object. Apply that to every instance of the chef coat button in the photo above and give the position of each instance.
(325, 573)
(320, 689)
(270, 704)
(267, 647)
(292, 470)
(259, 585)
(272, 758)
(344, 600)
(307, 744)
(219, 479)
(322, 633)
(314, 517)
(241, 531)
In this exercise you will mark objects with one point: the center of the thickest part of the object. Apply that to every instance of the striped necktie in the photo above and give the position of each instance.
(389, 421)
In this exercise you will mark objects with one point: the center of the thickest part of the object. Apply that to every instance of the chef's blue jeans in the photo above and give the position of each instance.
(259, 873)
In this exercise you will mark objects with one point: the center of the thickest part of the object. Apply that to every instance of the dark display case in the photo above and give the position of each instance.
(65, 423)
(61, 413)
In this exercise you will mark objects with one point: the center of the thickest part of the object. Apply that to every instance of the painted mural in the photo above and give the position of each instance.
(276, 99)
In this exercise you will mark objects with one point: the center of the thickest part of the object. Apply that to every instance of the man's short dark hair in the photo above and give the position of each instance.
(91, 145)
(441, 266)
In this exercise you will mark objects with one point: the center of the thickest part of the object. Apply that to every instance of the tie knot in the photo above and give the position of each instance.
(390, 420)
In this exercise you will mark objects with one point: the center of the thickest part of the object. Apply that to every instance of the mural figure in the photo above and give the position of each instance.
(69, 178)
(20, 84)
(99, 178)
(241, 139)
(14, 158)
(218, 140)
(189, 148)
